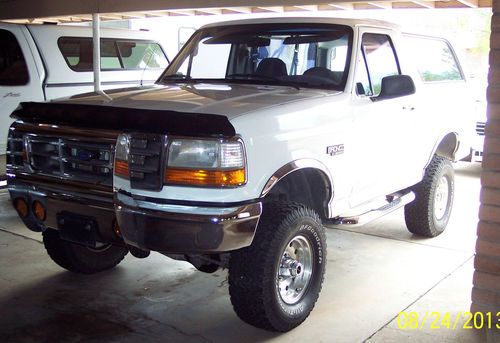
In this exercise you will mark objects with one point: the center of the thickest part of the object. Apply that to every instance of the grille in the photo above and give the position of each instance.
(145, 161)
(70, 158)
(15, 155)
(480, 128)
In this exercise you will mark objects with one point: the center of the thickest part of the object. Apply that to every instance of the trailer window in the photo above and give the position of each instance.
(116, 54)
(13, 69)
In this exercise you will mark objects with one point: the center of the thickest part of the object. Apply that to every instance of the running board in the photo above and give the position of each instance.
(365, 218)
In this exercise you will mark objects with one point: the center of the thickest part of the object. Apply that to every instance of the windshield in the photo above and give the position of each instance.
(297, 55)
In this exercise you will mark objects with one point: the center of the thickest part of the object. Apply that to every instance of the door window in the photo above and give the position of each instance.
(380, 60)
(13, 69)
(434, 59)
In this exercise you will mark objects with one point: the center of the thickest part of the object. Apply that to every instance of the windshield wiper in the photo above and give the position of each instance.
(276, 80)
(179, 77)
(175, 77)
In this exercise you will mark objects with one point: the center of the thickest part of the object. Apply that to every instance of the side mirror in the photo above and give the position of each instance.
(395, 86)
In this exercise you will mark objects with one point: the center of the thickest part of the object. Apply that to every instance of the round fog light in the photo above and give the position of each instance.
(21, 207)
(39, 210)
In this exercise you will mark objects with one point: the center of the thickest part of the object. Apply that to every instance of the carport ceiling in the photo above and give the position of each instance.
(61, 11)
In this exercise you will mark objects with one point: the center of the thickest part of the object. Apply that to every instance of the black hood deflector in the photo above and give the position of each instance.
(125, 119)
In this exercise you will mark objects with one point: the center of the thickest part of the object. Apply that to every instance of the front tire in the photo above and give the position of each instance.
(430, 212)
(275, 283)
(81, 259)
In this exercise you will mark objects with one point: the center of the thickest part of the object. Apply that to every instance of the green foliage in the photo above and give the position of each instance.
(444, 76)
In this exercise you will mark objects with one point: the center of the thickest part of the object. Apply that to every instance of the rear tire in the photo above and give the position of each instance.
(275, 283)
(80, 259)
(430, 212)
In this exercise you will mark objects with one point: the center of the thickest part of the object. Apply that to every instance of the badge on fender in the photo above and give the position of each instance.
(334, 150)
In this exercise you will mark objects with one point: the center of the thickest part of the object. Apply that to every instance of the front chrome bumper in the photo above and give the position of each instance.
(58, 197)
(171, 228)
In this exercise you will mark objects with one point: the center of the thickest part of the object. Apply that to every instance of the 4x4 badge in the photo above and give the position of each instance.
(335, 149)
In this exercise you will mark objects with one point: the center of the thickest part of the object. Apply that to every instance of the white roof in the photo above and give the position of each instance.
(50, 31)
(319, 20)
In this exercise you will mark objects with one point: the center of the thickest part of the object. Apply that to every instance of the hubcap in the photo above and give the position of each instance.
(441, 198)
(295, 270)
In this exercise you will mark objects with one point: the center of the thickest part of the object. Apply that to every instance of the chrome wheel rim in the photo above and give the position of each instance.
(441, 198)
(295, 270)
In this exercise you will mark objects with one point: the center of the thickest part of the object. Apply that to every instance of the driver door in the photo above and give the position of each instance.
(383, 128)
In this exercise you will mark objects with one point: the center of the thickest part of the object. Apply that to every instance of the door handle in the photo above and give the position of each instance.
(409, 108)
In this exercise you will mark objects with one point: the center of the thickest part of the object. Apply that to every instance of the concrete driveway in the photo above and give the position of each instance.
(373, 273)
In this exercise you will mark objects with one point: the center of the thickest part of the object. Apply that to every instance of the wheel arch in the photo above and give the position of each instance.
(306, 181)
(447, 146)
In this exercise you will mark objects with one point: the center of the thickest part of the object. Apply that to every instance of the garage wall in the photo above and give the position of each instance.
(486, 290)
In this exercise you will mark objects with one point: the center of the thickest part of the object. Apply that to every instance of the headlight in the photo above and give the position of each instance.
(121, 156)
(205, 163)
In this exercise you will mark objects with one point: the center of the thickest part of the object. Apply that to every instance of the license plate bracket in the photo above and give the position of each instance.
(77, 228)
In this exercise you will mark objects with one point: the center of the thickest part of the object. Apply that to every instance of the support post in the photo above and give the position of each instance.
(96, 40)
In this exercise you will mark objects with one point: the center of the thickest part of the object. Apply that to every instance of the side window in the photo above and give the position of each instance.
(380, 59)
(434, 59)
(115, 54)
(109, 55)
(140, 55)
(13, 69)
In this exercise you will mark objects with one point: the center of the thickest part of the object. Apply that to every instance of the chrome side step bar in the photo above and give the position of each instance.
(393, 203)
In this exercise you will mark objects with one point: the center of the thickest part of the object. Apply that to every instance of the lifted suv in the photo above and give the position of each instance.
(258, 133)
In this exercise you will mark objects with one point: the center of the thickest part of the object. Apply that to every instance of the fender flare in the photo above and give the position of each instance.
(446, 146)
(289, 168)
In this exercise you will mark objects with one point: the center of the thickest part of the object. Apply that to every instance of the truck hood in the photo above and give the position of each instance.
(187, 110)
(223, 99)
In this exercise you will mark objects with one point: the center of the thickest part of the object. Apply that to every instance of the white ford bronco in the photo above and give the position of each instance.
(257, 134)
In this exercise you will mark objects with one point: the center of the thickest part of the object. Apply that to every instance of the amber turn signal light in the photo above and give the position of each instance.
(121, 168)
(39, 211)
(21, 207)
(219, 178)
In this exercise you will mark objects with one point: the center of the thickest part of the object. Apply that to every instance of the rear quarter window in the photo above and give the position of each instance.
(116, 54)
(13, 69)
(434, 59)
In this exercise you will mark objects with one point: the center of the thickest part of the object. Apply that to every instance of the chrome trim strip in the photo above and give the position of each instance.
(291, 167)
(173, 208)
(294, 166)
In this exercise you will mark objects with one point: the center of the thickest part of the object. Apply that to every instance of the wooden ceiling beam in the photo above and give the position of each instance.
(345, 6)
(470, 3)
(425, 4)
(311, 8)
(275, 9)
(181, 12)
(209, 11)
(235, 10)
(385, 5)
